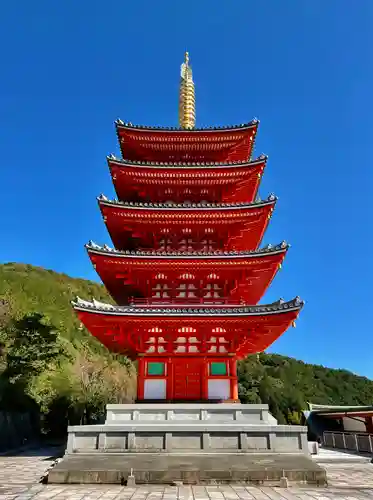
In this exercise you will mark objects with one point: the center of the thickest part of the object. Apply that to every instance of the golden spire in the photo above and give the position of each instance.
(187, 103)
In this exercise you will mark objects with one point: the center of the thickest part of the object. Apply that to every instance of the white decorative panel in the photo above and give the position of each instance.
(155, 389)
(181, 348)
(219, 389)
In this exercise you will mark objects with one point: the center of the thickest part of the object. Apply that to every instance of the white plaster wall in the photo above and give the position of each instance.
(155, 389)
(219, 389)
(353, 425)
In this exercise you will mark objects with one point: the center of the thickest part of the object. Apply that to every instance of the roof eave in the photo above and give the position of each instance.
(104, 201)
(122, 163)
(294, 305)
(129, 126)
(92, 248)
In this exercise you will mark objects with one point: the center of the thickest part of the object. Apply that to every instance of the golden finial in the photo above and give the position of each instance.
(187, 104)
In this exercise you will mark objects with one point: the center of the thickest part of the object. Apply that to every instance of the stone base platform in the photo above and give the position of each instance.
(193, 443)
(191, 428)
(266, 469)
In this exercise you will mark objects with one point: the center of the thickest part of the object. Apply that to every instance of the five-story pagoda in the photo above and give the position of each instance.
(187, 272)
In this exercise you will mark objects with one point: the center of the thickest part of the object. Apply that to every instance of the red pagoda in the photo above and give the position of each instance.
(187, 272)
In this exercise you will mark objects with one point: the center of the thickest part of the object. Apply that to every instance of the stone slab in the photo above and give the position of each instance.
(193, 413)
(187, 427)
(199, 436)
(266, 469)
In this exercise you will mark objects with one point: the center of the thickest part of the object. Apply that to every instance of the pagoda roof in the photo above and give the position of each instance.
(177, 144)
(130, 277)
(277, 307)
(238, 226)
(130, 126)
(154, 254)
(121, 162)
(103, 200)
(160, 181)
(129, 329)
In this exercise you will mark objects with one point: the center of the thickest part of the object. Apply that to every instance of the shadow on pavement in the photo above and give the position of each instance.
(43, 450)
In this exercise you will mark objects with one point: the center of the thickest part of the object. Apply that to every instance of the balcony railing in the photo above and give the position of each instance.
(354, 441)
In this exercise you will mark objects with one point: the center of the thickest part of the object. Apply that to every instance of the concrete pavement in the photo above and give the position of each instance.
(20, 476)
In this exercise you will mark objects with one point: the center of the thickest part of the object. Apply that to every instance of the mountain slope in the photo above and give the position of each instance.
(25, 288)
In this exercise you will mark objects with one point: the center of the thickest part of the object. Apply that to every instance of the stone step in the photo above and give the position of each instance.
(153, 468)
(188, 426)
(145, 437)
(118, 413)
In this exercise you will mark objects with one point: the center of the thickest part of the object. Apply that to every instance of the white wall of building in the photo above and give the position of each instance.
(355, 424)
(219, 389)
(155, 389)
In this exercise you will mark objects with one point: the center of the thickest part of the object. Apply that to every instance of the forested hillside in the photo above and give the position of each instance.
(48, 362)
(287, 384)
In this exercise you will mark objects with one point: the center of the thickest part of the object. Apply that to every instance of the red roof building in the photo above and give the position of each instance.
(187, 272)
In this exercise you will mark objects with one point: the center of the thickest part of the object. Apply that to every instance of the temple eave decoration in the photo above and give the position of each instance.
(210, 181)
(235, 143)
(172, 165)
(142, 277)
(251, 125)
(159, 332)
(277, 307)
(93, 248)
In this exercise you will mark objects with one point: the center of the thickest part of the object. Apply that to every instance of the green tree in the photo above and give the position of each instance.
(91, 382)
(34, 346)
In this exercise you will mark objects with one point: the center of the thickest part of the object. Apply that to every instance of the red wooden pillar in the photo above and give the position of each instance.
(205, 380)
(369, 425)
(170, 380)
(140, 378)
(233, 378)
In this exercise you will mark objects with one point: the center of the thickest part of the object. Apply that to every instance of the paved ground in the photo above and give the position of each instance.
(19, 476)
(328, 455)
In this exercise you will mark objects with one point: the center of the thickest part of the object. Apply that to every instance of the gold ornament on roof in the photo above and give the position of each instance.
(187, 103)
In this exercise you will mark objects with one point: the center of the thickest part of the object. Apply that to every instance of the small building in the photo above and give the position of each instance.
(321, 418)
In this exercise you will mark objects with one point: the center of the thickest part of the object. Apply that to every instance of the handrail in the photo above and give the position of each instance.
(350, 440)
(362, 433)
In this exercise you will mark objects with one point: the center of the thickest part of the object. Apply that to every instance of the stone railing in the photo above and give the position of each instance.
(354, 441)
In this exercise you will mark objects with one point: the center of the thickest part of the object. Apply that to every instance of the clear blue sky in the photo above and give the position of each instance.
(304, 68)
